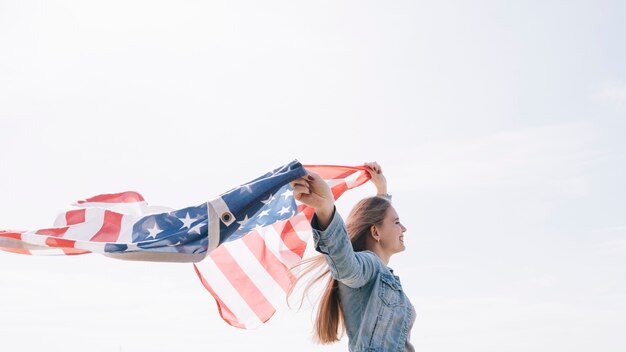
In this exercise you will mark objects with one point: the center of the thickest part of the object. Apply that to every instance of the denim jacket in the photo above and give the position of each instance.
(377, 314)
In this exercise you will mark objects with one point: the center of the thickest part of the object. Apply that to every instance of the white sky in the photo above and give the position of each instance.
(499, 126)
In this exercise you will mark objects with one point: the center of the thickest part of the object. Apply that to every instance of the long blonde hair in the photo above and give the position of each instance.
(329, 325)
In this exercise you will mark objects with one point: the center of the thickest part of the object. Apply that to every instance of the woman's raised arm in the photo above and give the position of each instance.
(313, 191)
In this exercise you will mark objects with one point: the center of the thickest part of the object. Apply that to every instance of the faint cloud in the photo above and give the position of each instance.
(450, 316)
(611, 230)
(542, 281)
(613, 93)
(574, 187)
(535, 287)
(614, 240)
(556, 156)
(612, 247)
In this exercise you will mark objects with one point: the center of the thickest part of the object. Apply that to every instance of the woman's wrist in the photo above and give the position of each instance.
(384, 195)
(325, 215)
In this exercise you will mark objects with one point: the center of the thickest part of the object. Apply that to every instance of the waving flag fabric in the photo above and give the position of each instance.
(123, 226)
(242, 243)
(249, 278)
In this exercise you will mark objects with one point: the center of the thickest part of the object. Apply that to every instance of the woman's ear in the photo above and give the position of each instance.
(374, 231)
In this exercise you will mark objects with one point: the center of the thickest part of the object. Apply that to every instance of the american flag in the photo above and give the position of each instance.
(249, 278)
(242, 242)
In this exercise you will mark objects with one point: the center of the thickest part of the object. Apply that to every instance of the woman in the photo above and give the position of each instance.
(363, 297)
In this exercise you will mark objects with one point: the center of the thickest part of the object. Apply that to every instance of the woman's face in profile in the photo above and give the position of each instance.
(392, 232)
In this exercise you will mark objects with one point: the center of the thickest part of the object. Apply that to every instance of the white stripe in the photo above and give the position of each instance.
(47, 251)
(96, 247)
(276, 245)
(33, 238)
(94, 218)
(137, 208)
(227, 293)
(126, 228)
(350, 180)
(256, 272)
(332, 183)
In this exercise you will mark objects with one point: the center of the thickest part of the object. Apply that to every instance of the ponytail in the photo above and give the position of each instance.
(329, 324)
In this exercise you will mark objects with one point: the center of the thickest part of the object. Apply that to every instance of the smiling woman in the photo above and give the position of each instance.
(362, 296)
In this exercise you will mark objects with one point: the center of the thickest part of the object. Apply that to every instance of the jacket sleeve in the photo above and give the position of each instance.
(354, 269)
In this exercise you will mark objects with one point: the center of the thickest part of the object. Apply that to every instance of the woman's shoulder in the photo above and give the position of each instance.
(371, 257)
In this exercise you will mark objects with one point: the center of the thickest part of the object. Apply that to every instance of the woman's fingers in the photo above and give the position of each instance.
(300, 183)
(374, 167)
(300, 188)
(377, 168)
(313, 191)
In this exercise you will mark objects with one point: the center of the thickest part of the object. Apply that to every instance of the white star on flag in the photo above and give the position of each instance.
(263, 213)
(196, 229)
(154, 231)
(244, 221)
(246, 188)
(187, 221)
(284, 210)
(288, 193)
(268, 200)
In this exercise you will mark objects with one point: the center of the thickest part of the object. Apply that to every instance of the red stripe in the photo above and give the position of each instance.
(73, 251)
(361, 179)
(248, 291)
(334, 172)
(51, 242)
(110, 230)
(124, 197)
(274, 267)
(59, 242)
(74, 217)
(14, 235)
(339, 189)
(308, 212)
(56, 232)
(225, 313)
(302, 222)
(292, 240)
(329, 172)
